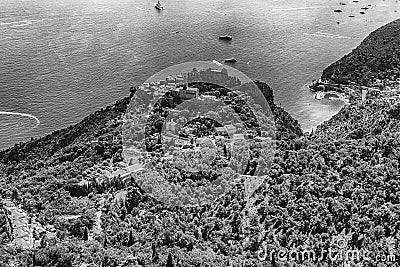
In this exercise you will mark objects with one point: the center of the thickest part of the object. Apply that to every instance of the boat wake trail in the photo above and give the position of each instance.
(328, 35)
(22, 115)
(219, 12)
(18, 23)
(299, 8)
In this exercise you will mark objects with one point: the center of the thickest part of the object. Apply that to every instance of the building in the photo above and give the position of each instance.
(169, 79)
(179, 79)
(208, 97)
(188, 93)
(175, 92)
(230, 129)
(238, 137)
(170, 100)
(364, 95)
(220, 130)
(170, 127)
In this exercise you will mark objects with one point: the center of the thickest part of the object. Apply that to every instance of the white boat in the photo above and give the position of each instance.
(158, 6)
(226, 37)
(230, 60)
(319, 95)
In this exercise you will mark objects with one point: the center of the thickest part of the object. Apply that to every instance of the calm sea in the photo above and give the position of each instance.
(62, 60)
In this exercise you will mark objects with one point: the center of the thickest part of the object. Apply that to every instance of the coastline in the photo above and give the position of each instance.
(328, 95)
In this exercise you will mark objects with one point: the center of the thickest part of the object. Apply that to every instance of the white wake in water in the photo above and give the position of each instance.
(299, 8)
(328, 35)
(18, 23)
(219, 12)
(22, 115)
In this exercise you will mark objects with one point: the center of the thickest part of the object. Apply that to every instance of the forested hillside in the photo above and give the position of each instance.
(378, 57)
(61, 176)
(341, 181)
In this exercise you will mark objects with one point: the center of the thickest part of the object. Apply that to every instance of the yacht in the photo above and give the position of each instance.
(230, 60)
(225, 38)
(158, 6)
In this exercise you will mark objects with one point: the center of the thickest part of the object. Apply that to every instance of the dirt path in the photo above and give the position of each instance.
(21, 229)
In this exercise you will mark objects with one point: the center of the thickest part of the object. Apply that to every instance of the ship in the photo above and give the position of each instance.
(158, 6)
(230, 60)
(225, 38)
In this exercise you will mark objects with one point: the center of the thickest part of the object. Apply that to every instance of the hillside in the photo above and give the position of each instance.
(45, 177)
(332, 184)
(377, 57)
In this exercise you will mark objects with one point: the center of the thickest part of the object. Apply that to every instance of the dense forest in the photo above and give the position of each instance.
(378, 57)
(340, 182)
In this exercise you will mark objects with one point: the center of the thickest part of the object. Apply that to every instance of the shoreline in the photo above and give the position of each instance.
(327, 95)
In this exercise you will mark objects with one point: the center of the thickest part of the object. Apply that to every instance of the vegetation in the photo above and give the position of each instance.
(340, 182)
(378, 57)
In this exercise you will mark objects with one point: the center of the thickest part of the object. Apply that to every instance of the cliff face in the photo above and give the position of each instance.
(287, 126)
(377, 57)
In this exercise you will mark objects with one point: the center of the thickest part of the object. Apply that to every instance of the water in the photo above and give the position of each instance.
(61, 60)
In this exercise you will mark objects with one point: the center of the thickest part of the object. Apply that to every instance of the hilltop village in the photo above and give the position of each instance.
(208, 116)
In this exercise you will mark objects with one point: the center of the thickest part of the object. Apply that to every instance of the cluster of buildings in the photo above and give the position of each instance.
(380, 88)
(185, 137)
(178, 134)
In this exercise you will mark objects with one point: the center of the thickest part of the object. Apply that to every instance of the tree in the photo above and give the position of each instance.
(154, 256)
(105, 242)
(85, 234)
(170, 263)
(130, 241)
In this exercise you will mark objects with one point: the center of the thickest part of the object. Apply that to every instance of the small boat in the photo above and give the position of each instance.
(365, 8)
(361, 12)
(351, 16)
(158, 6)
(230, 60)
(225, 38)
(337, 11)
(319, 95)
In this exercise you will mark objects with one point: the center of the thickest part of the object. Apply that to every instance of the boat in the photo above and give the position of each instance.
(319, 95)
(225, 38)
(230, 60)
(158, 6)
(337, 11)
(362, 12)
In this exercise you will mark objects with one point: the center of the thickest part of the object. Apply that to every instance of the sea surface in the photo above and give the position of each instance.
(61, 60)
